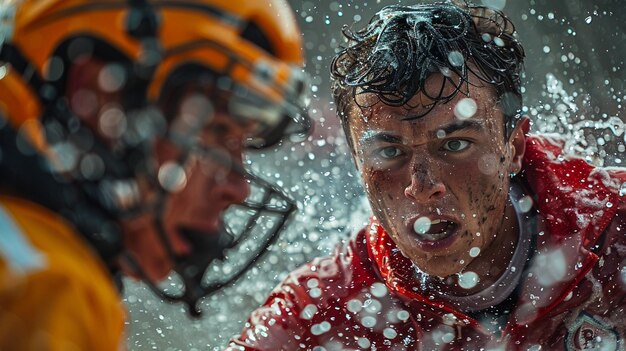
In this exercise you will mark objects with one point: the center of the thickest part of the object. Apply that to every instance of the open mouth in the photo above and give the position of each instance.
(434, 230)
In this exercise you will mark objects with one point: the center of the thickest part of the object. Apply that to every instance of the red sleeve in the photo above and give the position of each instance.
(279, 324)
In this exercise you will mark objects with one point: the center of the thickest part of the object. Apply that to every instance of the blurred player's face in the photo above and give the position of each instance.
(200, 187)
(439, 184)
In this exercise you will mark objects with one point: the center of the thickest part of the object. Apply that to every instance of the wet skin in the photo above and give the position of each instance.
(442, 168)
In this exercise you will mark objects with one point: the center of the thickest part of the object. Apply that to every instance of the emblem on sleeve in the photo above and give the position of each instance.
(588, 333)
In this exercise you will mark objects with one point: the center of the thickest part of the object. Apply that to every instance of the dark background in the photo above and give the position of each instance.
(574, 85)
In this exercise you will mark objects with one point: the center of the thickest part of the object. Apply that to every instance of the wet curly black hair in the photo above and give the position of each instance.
(402, 46)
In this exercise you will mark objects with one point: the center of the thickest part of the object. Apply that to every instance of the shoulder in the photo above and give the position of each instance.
(326, 279)
(299, 308)
(51, 278)
(42, 241)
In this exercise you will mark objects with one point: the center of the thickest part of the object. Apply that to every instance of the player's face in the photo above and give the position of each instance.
(200, 187)
(439, 183)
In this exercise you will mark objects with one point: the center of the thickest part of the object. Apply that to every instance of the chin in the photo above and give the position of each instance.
(440, 267)
(158, 272)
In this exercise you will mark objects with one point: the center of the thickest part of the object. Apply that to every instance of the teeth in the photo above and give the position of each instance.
(435, 237)
(423, 225)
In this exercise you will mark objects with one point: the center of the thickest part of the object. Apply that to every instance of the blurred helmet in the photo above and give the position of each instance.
(252, 49)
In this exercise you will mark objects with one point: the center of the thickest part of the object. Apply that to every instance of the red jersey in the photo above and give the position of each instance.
(571, 296)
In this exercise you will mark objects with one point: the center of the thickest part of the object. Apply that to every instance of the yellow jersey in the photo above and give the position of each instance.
(55, 292)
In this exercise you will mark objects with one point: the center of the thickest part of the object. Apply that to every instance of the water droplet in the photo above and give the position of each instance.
(403, 315)
(112, 77)
(172, 177)
(468, 280)
(368, 321)
(316, 329)
(465, 108)
(315, 293)
(616, 125)
(364, 343)
(112, 122)
(474, 251)
(308, 312)
(456, 59)
(488, 164)
(372, 306)
(421, 225)
(498, 41)
(379, 289)
(495, 4)
(3, 71)
(525, 204)
(609, 204)
(447, 338)
(441, 134)
(588, 19)
(312, 283)
(92, 167)
(354, 306)
(622, 189)
(389, 333)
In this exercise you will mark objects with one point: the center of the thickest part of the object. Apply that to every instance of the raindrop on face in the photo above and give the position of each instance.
(474, 252)
(487, 164)
(172, 177)
(465, 108)
(421, 225)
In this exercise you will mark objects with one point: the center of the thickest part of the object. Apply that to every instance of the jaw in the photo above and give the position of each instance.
(439, 266)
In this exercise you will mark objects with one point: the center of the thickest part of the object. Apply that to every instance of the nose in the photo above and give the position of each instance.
(233, 189)
(424, 185)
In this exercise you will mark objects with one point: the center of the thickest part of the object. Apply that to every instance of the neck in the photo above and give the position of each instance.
(501, 269)
(494, 261)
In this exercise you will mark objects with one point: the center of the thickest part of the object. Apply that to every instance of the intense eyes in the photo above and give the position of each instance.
(456, 145)
(451, 145)
(389, 152)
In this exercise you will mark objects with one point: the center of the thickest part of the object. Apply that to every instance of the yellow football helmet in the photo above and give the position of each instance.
(257, 43)
(252, 47)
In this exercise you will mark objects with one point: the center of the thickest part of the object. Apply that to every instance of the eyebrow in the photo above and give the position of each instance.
(372, 136)
(468, 124)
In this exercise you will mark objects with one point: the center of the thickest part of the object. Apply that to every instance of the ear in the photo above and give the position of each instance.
(517, 143)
